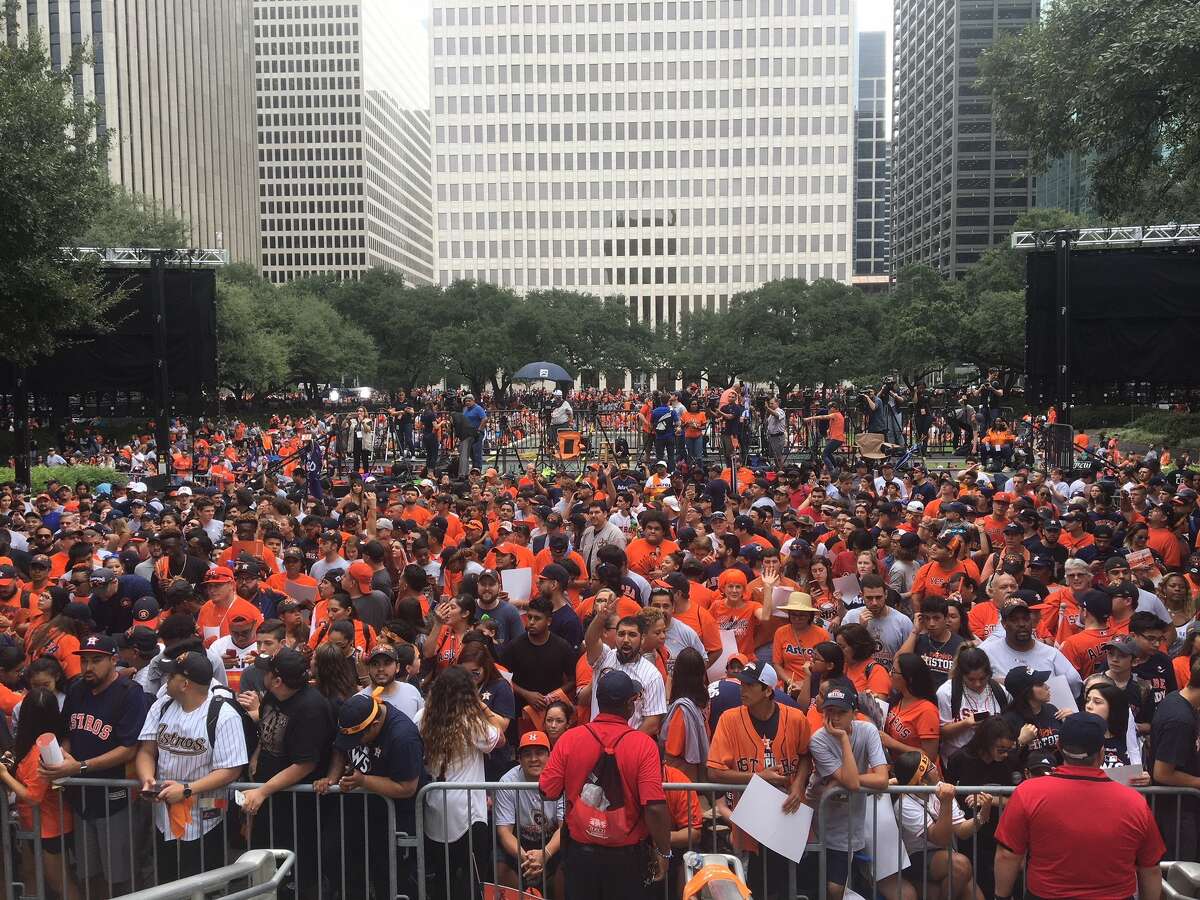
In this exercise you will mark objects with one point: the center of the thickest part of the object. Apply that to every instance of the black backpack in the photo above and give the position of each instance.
(222, 696)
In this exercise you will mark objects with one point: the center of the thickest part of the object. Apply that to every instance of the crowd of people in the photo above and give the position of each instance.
(828, 629)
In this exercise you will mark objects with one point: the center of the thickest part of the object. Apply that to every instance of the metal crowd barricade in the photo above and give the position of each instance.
(336, 866)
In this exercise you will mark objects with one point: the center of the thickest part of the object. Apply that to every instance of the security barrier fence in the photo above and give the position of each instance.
(356, 845)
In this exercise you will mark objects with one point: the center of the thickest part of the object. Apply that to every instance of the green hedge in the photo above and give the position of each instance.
(1163, 427)
(93, 475)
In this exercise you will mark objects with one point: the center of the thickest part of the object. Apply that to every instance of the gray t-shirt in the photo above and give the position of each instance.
(889, 631)
(373, 608)
(679, 636)
(535, 819)
(901, 576)
(844, 816)
(508, 620)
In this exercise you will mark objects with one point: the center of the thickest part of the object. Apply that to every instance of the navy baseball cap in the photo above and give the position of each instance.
(616, 686)
(1081, 735)
(100, 644)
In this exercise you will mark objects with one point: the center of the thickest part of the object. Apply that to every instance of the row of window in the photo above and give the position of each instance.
(283, 120)
(308, 84)
(313, 241)
(274, 10)
(632, 42)
(307, 101)
(293, 207)
(710, 246)
(299, 154)
(685, 217)
(307, 64)
(320, 29)
(738, 276)
(305, 48)
(750, 67)
(314, 259)
(613, 161)
(658, 11)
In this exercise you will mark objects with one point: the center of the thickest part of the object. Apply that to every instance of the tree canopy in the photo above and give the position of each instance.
(1117, 83)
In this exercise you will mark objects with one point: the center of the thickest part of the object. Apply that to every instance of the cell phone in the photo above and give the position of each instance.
(981, 714)
(153, 792)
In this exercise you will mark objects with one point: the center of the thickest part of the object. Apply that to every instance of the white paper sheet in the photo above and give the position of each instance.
(728, 647)
(1124, 774)
(1060, 693)
(759, 813)
(305, 593)
(517, 583)
(847, 586)
(883, 837)
(780, 597)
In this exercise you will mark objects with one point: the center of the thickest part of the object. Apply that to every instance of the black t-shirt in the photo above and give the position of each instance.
(541, 668)
(1047, 729)
(963, 768)
(194, 570)
(1157, 672)
(396, 754)
(938, 656)
(1115, 752)
(96, 724)
(298, 730)
(428, 420)
(1174, 738)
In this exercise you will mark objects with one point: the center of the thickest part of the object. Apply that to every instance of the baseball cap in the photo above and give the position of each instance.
(102, 577)
(534, 739)
(1022, 678)
(40, 560)
(193, 665)
(293, 553)
(145, 611)
(558, 542)
(1041, 560)
(1040, 763)
(910, 540)
(1013, 528)
(219, 575)
(616, 687)
(1098, 603)
(1002, 497)
(384, 523)
(740, 658)
(743, 522)
(956, 507)
(1081, 735)
(1013, 605)
(8, 576)
(488, 573)
(246, 564)
(675, 581)
(362, 574)
(1052, 525)
(759, 673)
(355, 716)
(752, 552)
(1126, 589)
(840, 696)
(100, 644)
(660, 462)
(555, 572)
(1123, 643)
(143, 640)
(383, 650)
(799, 547)
(288, 605)
(1115, 562)
(288, 664)
(81, 612)
(915, 506)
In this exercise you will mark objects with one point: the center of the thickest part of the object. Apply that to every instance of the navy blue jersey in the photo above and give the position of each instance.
(96, 724)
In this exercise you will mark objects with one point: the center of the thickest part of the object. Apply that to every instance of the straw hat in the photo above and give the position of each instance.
(798, 601)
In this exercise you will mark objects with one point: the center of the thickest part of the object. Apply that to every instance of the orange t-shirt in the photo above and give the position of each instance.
(684, 806)
(741, 620)
(363, 636)
(280, 581)
(57, 818)
(700, 620)
(1085, 650)
(792, 651)
(213, 621)
(983, 619)
(1164, 542)
(1183, 669)
(626, 606)
(877, 680)
(61, 646)
(914, 723)
(754, 591)
(417, 513)
(837, 426)
(644, 557)
(693, 424)
(931, 579)
(702, 595)
(1048, 627)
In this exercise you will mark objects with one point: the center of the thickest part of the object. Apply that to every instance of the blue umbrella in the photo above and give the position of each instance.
(542, 371)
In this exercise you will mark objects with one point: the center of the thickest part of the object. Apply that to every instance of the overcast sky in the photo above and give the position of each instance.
(875, 15)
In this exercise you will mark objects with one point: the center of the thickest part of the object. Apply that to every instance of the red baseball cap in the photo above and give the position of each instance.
(219, 575)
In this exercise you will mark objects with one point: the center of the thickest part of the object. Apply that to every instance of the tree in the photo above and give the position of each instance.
(252, 353)
(707, 345)
(53, 185)
(1117, 83)
(322, 346)
(921, 318)
(131, 220)
(580, 331)
(476, 344)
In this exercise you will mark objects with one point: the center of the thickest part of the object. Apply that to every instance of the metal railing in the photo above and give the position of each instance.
(349, 845)
(263, 869)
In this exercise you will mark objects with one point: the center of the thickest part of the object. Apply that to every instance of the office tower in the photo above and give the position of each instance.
(872, 181)
(343, 138)
(172, 83)
(957, 185)
(674, 153)
(1065, 185)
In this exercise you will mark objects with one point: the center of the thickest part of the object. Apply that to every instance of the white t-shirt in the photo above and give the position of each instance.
(402, 696)
(184, 755)
(1040, 657)
(653, 701)
(243, 658)
(917, 817)
(448, 814)
(970, 702)
(533, 819)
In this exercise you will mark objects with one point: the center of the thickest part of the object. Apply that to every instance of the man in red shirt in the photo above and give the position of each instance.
(600, 864)
(1052, 818)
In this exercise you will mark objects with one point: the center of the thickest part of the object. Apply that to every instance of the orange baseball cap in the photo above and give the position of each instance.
(534, 739)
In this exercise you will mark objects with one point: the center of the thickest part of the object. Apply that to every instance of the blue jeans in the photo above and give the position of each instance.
(831, 447)
(664, 449)
(695, 449)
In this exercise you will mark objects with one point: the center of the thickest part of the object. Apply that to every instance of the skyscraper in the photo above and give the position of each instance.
(872, 180)
(957, 185)
(172, 85)
(343, 138)
(672, 152)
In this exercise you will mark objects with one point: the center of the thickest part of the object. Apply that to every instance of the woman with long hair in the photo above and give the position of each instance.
(339, 609)
(684, 732)
(956, 618)
(1031, 713)
(967, 698)
(828, 662)
(912, 719)
(41, 715)
(987, 758)
(1110, 703)
(861, 668)
(559, 718)
(497, 694)
(458, 731)
(334, 675)
(451, 621)
(1176, 594)
(60, 636)
(930, 826)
